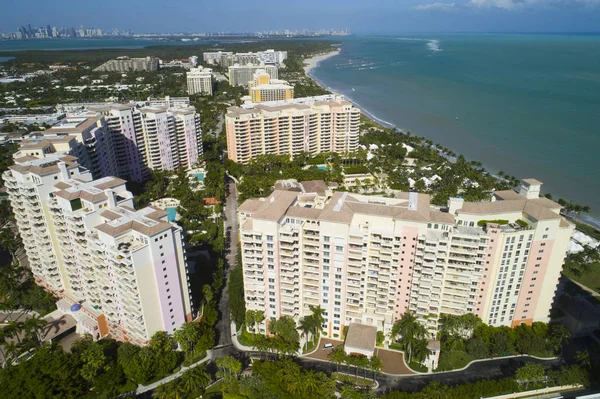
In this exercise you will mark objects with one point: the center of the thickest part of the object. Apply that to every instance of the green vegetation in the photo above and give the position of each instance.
(339, 357)
(482, 223)
(584, 267)
(413, 337)
(353, 380)
(19, 291)
(527, 378)
(237, 303)
(466, 338)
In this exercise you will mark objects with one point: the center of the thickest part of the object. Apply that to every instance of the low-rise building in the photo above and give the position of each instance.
(126, 64)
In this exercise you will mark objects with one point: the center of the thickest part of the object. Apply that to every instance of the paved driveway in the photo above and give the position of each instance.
(393, 362)
(321, 354)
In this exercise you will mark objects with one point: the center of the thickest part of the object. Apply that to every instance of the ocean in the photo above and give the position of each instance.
(528, 105)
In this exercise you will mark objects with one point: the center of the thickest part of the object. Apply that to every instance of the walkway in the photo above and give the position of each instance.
(145, 388)
(231, 230)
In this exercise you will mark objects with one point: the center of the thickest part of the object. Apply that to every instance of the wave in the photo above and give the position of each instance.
(432, 44)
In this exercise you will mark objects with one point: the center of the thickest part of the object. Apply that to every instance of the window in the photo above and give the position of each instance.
(269, 238)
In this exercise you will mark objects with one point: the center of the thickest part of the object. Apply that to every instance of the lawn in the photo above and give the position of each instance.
(246, 338)
(590, 279)
(214, 392)
(452, 360)
(418, 367)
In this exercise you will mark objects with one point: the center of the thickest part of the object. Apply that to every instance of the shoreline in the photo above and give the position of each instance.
(312, 63)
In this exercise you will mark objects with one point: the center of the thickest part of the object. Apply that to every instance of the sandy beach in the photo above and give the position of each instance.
(312, 62)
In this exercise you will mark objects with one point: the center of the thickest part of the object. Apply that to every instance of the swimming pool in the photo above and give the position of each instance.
(322, 167)
(199, 176)
(171, 214)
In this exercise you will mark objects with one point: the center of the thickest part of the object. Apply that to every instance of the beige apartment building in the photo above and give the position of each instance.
(313, 124)
(368, 259)
(200, 81)
(265, 89)
(118, 271)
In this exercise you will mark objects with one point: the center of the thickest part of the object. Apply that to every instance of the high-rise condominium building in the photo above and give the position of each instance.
(199, 81)
(227, 59)
(263, 88)
(242, 75)
(126, 140)
(150, 138)
(312, 124)
(126, 64)
(118, 271)
(369, 260)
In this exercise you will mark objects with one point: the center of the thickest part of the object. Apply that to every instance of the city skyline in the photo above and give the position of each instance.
(388, 16)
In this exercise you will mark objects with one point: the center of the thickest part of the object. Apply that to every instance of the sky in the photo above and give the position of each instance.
(360, 16)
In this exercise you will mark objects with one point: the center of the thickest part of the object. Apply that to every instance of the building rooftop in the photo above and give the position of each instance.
(122, 219)
(361, 336)
(43, 166)
(92, 191)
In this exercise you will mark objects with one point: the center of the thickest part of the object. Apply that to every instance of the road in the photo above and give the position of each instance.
(231, 228)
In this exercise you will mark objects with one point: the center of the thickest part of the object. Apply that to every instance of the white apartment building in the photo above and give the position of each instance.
(312, 124)
(168, 101)
(126, 64)
(151, 138)
(242, 75)
(227, 59)
(370, 259)
(118, 271)
(200, 81)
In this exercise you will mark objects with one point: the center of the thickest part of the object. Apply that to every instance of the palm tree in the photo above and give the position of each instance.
(363, 362)
(410, 330)
(337, 356)
(187, 336)
(310, 382)
(16, 329)
(195, 378)
(375, 364)
(583, 358)
(420, 350)
(560, 335)
(35, 326)
(306, 326)
(12, 350)
(259, 317)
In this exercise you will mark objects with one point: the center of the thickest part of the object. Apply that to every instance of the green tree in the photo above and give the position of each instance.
(187, 336)
(410, 331)
(375, 365)
(194, 379)
(559, 336)
(337, 356)
(94, 361)
(583, 359)
(530, 373)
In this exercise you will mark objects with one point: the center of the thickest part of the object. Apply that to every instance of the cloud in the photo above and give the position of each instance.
(519, 4)
(509, 4)
(435, 6)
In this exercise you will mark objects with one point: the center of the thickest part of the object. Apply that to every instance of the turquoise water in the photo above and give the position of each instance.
(524, 104)
(199, 176)
(322, 167)
(171, 214)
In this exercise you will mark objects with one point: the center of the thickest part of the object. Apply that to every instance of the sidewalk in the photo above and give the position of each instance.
(145, 388)
(236, 343)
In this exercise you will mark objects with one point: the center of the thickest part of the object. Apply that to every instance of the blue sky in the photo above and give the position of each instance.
(360, 16)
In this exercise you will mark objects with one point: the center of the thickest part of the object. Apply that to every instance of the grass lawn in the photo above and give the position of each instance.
(214, 392)
(246, 338)
(128, 387)
(452, 360)
(310, 346)
(590, 279)
(417, 367)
